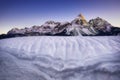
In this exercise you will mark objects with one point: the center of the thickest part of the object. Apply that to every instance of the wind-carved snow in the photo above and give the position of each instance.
(60, 58)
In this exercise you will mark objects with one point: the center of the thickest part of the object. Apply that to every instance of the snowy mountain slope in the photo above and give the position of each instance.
(60, 58)
(77, 27)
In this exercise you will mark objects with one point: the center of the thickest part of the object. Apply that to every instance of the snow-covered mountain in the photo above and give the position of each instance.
(60, 58)
(79, 26)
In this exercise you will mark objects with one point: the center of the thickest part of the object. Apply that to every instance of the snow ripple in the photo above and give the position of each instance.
(60, 58)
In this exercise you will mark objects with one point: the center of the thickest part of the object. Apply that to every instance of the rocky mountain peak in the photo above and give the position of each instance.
(83, 20)
(100, 24)
(80, 20)
(13, 30)
(51, 24)
(81, 17)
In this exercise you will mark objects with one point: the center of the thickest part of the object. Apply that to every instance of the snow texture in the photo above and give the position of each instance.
(60, 58)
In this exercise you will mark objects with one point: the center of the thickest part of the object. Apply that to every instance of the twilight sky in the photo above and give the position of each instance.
(26, 13)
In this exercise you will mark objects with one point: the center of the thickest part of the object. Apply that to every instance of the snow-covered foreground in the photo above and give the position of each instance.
(60, 58)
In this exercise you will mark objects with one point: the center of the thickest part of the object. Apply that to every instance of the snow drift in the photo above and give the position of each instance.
(60, 58)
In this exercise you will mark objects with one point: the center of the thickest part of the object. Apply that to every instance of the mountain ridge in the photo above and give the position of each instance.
(77, 27)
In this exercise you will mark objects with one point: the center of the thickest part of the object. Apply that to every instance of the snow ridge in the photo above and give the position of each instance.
(60, 58)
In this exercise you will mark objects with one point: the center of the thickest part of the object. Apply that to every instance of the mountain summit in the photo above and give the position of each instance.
(82, 19)
(79, 26)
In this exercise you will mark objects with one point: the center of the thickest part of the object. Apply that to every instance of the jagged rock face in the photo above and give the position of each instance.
(48, 26)
(115, 31)
(100, 25)
(79, 26)
(61, 28)
(83, 20)
(51, 24)
(16, 31)
(80, 20)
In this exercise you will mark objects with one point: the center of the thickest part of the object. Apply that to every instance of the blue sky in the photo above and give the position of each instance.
(26, 13)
